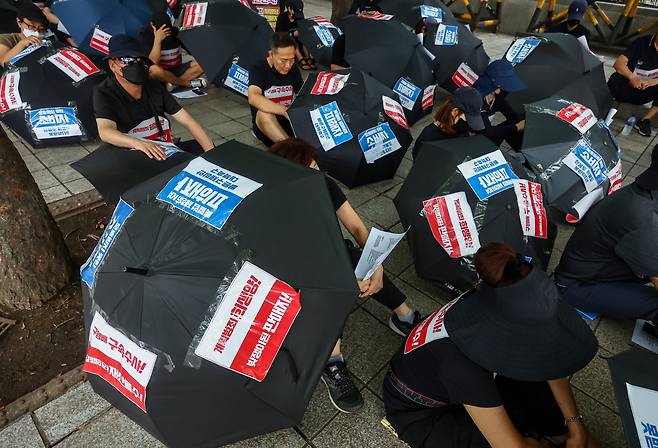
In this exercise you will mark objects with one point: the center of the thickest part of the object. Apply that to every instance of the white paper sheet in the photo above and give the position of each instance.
(379, 245)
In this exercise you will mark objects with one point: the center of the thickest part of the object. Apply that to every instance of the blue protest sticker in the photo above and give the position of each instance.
(324, 35)
(119, 217)
(330, 126)
(28, 50)
(207, 192)
(587, 164)
(446, 35)
(408, 93)
(54, 122)
(377, 142)
(589, 315)
(237, 79)
(521, 48)
(431, 13)
(488, 174)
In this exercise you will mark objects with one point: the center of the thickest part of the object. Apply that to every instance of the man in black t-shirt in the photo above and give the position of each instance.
(127, 103)
(273, 84)
(572, 25)
(635, 79)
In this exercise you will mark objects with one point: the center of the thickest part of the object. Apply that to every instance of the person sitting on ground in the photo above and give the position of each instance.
(613, 253)
(33, 25)
(164, 48)
(458, 116)
(273, 83)
(572, 25)
(127, 103)
(635, 79)
(286, 22)
(498, 79)
(342, 392)
(491, 368)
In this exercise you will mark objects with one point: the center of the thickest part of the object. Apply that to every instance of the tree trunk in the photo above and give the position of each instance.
(34, 261)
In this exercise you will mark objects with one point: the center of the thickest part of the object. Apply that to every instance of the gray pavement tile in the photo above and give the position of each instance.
(438, 294)
(362, 429)
(55, 193)
(645, 158)
(375, 384)
(236, 110)
(33, 164)
(631, 148)
(64, 173)
(286, 438)
(79, 186)
(60, 155)
(601, 422)
(44, 179)
(405, 167)
(614, 335)
(61, 417)
(92, 145)
(636, 170)
(228, 128)
(394, 191)
(21, 434)
(319, 412)
(397, 229)
(380, 210)
(399, 260)
(246, 120)
(205, 115)
(385, 185)
(595, 380)
(248, 138)
(359, 195)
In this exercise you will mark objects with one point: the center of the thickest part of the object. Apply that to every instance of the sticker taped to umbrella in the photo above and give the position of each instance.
(532, 213)
(587, 164)
(208, 192)
(375, 15)
(329, 83)
(10, 97)
(118, 360)
(330, 126)
(29, 50)
(169, 148)
(428, 97)
(446, 35)
(100, 41)
(282, 95)
(148, 129)
(644, 403)
(521, 49)
(325, 23)
(324, 35)
(377, 142)
(488, 174)
(88, 270)
(394, 110)
(251, 323)
(580, 117)
(194, 15)
(75, 64)
(54, 122)
(464, 76)
(430, 329)
(452, 224)
(615, 176)
(432, 14)
(408, 93)
(237, 79)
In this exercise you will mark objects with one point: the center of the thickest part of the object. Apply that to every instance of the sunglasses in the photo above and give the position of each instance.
(130, 60)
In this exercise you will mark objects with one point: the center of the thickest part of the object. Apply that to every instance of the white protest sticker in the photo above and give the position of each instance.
(100, 41)
(75, 64)
(446, 35)
(330, 126)
(208, 192)
(376, 15)
(580, 117)
(29, 50)
(10, 97)
(251, 323)
(325, 23)
(237, 79)
(587, 164)
(194, 15)
(378, 142)
(430, 329)
(431, 13)
(615, 176)
(488, 174)
(169, 148)
(644, 403)
(328, 83)
(464, 76)
(408, 93)
(54, 122)
(521, 49)
(118, 360)
(428, 97)
(378, 246)
(282, 95)
(171, 58)
(532, 213)
(646, 74)
(148, 129)
(324, 35)
(452, 224)
(394, 110)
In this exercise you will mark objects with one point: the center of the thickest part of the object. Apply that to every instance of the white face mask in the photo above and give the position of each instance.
(29, 33)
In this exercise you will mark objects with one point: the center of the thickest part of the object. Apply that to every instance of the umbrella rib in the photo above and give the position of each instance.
(120, 301)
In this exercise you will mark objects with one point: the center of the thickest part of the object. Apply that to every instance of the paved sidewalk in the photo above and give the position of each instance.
(80, 418)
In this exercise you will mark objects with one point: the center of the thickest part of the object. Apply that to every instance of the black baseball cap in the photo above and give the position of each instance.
(123, 46)
(649, 178)
(469, 101)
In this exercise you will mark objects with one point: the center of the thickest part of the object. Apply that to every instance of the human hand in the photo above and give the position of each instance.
(376, 283)
(161, 33)
(151, 149)
(31, 40)
(363, 288)
(636, 83)
(520, 126)
(52, 18)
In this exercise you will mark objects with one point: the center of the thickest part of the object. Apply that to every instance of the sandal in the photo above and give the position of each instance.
(307, 63)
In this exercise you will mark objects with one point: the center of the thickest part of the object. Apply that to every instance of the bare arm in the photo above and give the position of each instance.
(108, 133)
(159, 35)
(621, 67)
(496, 426)
(578, 435)
(257, 99)
(654, 280)
(184, 118)
(353, 223)
(6, 53)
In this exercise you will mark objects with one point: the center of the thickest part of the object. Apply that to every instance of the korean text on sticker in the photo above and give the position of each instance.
(464, 76)
(580, 117)
(488, 174)
(615, 175)
(237, 79)
(532, 213)
(324, 34)
(408, 93)
(587, 164)
(328, 83)
(446, 35)
(377, 142)
(10, 96)
(54, 122)
(330, 126)
(452, 224)
(194, 15)
(431, 14)
(76, 65)
(100, 41)
(428, 97)
(644, 403)
(430, 329)
(521, 49)
(395, 111)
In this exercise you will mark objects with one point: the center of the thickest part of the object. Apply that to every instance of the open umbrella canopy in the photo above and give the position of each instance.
(463, 193)
(318, 35)
(549, 63)
(205, 327)
(46, 95)
(226, 38)
(357, 124)
(387, 50)
(571, 151)
(411, 12)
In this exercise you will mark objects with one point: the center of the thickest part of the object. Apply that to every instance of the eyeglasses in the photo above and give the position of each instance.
(130, 60)
(33, 26)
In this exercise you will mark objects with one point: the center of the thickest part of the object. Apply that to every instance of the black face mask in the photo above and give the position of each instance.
(462, 127)
(137, 73)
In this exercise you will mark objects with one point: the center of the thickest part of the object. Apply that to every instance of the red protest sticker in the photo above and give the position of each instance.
(75, 64)
(375, 15)
(394, 110)
(580, 117)
(615, 176)
(464, 76)
(428, 97)
(251, 323)
(431, 329)
(148, 129)
(532, 213)
(452, 224)
(10, 97)
(282, 95)
(194, 15)
(328, 83)
(118, 360)
(100, 41)
(322, 21)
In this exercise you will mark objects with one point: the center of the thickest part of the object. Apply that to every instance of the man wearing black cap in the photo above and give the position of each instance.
(33, 25)
(130, 107)
(572, 25)
(613, 254)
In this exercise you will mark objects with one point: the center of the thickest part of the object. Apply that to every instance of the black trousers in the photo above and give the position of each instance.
(622, 91)
(191, 146)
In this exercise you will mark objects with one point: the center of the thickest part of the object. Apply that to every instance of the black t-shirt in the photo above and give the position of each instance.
(577, 32)
(365, 6)
(502, 130)
(598, 249)
(276, 87)
(338, 198)
(338, 52)
(135, 117)
(429, 134)
(284, 24)
(643, 57)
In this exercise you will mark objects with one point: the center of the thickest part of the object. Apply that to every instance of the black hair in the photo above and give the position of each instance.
(32, 13)
(281, 40)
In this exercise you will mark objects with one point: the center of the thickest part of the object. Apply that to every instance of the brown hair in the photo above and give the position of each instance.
(443, 116)
(296, 150)
(498, 264)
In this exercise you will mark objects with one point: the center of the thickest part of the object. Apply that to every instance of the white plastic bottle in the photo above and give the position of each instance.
(629, 125)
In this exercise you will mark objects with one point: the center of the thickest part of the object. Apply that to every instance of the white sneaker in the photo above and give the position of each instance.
(198, 83)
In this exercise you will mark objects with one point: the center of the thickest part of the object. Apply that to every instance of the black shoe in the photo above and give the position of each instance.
(342, 392)
(403, 328)
(643, 127)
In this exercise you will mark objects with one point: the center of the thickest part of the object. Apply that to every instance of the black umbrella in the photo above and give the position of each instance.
(636, 388)
(8, 17)
(447, 216)
(226, 38)
(459, 60)
(411, 12)
(562, 137)
(317, 34)
(388, 51)
(47, 96)
(361, 130)
(549, 63)
(187, 292)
